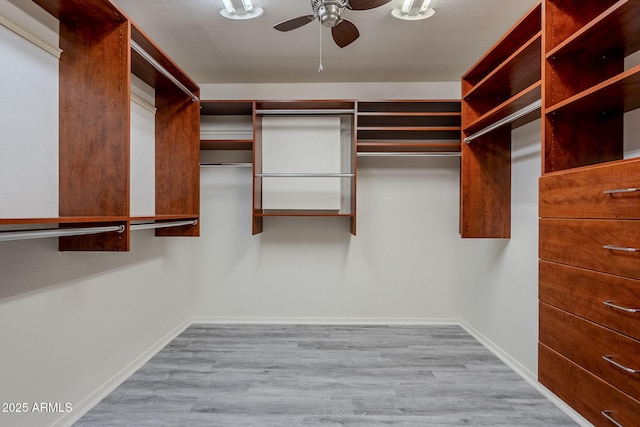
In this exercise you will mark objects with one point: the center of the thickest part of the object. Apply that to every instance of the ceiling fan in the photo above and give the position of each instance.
(329, 13)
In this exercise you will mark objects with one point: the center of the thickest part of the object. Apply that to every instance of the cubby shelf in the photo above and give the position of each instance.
(517, 73)
(597, 34)
(408, 125)
(587, 88)
(618, 94)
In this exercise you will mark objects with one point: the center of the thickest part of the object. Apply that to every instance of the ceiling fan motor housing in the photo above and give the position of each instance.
(329, 11)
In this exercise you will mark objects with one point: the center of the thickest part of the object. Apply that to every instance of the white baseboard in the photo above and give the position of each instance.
(525, 373)
(103, 391)
(229, 320)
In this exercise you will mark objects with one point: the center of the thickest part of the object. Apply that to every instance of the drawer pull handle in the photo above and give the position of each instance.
(607, 415)
(621, 366)
(622, 190)
(619, 307)
(620, 248)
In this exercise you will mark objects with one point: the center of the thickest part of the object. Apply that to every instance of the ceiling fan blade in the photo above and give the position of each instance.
(345, 33)
(294, 23)
(366, 4)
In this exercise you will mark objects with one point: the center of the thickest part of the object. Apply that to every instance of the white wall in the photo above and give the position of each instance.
(407, 261)
(499, 286)
(71, 322)
(401, 267)
(72, 325)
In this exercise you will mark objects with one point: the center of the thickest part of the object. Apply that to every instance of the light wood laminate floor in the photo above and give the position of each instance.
(301, 375)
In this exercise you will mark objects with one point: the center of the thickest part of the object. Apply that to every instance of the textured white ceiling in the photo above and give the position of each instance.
(212, 49)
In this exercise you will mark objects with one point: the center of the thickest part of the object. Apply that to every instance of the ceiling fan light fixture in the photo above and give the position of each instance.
(413, 10)
(247, 11)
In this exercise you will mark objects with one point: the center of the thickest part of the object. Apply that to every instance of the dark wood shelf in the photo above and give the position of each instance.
(503, 82)
(510, 106)
(226, 108)
(613, 30)
(566, 18)
(515, 75)
(525, 29)
(159, 218)
(143, 69)
(407, 125)
(436, 107)
(63, 220)
(296, 212)
(407, 146)
(226, 144)
(616, 95)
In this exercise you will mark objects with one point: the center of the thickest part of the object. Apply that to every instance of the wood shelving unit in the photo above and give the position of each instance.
(344, 109)
(177, 134)
(502, 84)
(587, 88)
(221, 109)
(589, 210)
(408, 126)
(94, 184)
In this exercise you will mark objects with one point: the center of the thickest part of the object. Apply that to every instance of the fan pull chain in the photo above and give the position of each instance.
(320, 68)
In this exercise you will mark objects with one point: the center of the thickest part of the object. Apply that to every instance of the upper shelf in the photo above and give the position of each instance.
(527, 28)
(617, 95)
(596, 36)
(408, 125)
(516, 73)
(503, 87)
(153, 75)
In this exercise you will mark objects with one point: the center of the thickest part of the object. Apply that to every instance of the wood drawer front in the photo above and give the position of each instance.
(585, 343)
(581, 243)
(583, 292)
(581, 193)
(585, 392)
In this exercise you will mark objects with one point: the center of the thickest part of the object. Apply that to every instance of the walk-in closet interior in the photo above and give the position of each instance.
(341, 212)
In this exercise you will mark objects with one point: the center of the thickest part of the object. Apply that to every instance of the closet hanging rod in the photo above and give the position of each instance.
(155, 225)
(510, 118)
(305, 175)
(410, 154)
(58, 232)
(303, 112)
(135, 46)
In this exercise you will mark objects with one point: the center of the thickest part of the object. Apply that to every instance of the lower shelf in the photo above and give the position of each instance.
(408, 146)
(296, 212)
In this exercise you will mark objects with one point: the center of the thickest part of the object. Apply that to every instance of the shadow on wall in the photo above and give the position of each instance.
(32, 265)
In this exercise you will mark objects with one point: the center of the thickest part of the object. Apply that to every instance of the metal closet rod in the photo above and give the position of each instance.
(307, 112)
(58, 232)
(135, 46)
(510, 118)
(411, 154)
(155, 225)
(305, 175)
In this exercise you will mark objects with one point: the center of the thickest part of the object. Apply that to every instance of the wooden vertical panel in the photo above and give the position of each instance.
(354, 170)
(94, 125)
(177, 157)
(564, 17)
(486, 186)
(257, 221)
